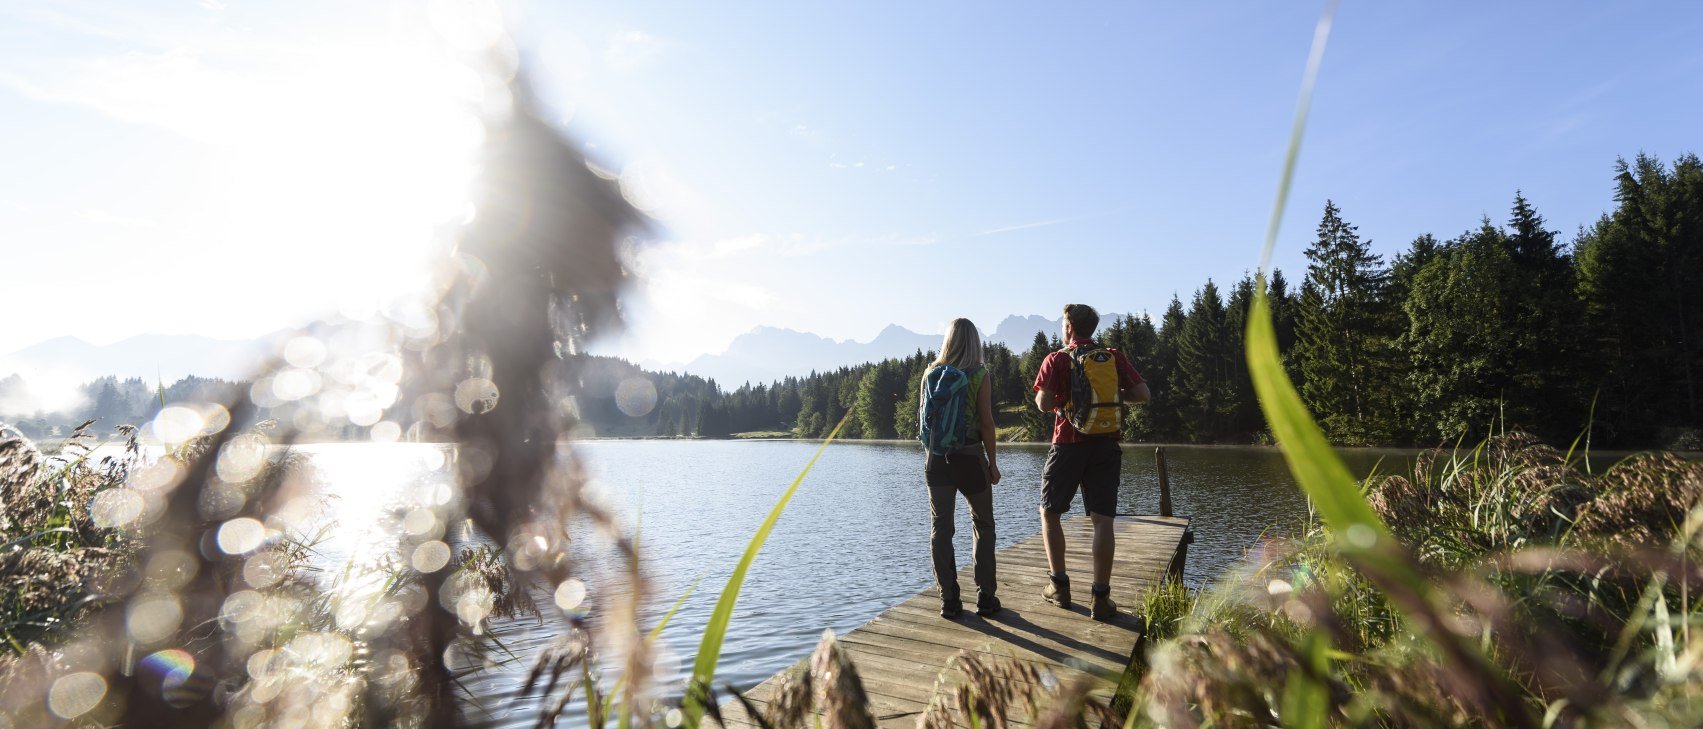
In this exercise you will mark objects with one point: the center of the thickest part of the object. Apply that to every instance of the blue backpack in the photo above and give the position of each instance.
(944, 411)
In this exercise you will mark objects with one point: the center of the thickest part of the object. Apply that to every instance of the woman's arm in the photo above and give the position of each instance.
(990, 434)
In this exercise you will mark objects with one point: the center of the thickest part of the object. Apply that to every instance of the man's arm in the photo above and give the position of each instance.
(1045, 381)
(990, 433)
(1137, 393)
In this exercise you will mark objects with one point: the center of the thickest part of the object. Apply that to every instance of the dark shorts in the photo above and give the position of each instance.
(1093, 465)
(965, 471)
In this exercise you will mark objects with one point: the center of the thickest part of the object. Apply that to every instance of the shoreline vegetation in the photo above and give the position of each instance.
(52, 446)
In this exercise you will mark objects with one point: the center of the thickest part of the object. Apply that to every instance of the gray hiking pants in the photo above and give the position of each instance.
(965, 472)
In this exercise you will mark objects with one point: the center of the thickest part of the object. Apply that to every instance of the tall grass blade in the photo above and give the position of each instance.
(1306, 698)
(1356, 531)
(1315, 59)
(663, 623)
(1590, 420)
(650, 639)
(1321, 474)
(709, 650)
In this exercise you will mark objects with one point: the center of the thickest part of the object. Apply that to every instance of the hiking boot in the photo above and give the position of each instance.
(1103, 609)
(951, 609)
(1058, 592)
(986, 606)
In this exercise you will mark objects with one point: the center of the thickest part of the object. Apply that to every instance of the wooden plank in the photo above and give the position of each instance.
(905, 655)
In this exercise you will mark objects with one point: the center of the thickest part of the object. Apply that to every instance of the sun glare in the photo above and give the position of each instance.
(344, 179)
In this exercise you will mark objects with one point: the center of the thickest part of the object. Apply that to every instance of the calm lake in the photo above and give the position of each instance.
(853, 543)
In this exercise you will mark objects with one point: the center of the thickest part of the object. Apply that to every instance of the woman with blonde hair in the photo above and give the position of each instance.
(957, 429)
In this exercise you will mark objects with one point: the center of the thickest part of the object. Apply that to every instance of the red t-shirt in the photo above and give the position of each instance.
(1054, 377)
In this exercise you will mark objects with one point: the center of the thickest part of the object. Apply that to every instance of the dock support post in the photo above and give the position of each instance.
(1181, 560)
(1164, 482)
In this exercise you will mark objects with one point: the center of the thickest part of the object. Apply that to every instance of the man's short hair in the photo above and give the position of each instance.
(1083, 319)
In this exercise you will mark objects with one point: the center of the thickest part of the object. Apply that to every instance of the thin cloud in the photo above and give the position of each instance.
(1042, 223)
(834, 164)
(1023, 226)
(770, 245)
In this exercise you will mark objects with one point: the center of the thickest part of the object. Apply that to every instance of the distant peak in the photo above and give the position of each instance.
(764, 329)
(67, 339)
(56, 343)
(1030, 320)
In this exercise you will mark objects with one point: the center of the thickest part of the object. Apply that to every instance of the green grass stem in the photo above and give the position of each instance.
(709, 650)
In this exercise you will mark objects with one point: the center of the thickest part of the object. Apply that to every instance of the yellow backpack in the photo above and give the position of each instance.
(1095, 406)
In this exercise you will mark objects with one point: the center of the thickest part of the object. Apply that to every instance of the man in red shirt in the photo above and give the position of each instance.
(1077, 459)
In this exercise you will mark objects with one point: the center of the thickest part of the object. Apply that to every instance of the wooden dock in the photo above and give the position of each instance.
(902, 655)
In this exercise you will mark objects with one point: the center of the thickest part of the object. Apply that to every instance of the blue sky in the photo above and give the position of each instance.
(828, 168)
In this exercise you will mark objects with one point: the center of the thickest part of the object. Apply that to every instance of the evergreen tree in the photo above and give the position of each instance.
(1460, 339)
(812, 406)
(905, 416)
(1640, 270)
(1143, 338)
(1407, 265)
(1550, 400)
(1036, 424)
(713, 422)
(786, 403)
(1007, 382)
(1492, 331)
(844, 401)
(1284, 306)
(1114, 333)
(1203, 368)
(1029, 365)
(1165, 413)
(1339, 341)
(1242, 408)
(1410, 426)
(878, 395)
(1142, 351)
(110, 408)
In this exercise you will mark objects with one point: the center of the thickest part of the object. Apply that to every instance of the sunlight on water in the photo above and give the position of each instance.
(853, 544)
(375, 494)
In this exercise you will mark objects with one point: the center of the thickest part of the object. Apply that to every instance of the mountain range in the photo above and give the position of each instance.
(764, 354)
(167, 357)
